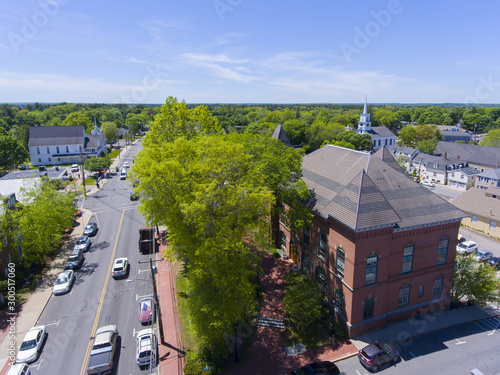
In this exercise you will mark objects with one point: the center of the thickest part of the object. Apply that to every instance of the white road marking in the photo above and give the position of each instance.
(460, 342)
(414, 356)
(55, 323)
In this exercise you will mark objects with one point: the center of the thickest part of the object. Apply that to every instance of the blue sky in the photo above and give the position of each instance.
(243, 51)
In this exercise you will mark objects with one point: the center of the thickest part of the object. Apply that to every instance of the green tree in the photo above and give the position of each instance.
(425, 132)
(78, 118)
(492, 139)
(386, 118)
(427, 146)
(97, 164)
(304, 304)
(12, 152)
(110, 131)
(42, 220)
(408, 136)
(474, 280)
(296, 131)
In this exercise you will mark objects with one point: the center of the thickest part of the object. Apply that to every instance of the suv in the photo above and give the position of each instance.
(467, 247)
(146, 348)
(75, 168)
(75, 260)
(377, 354)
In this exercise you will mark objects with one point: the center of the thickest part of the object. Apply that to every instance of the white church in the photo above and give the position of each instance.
(381, 136)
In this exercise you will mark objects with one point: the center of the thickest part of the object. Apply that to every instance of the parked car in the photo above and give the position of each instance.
(102, 355)
(482, 255)
(146, 309)
(126, 164)
(90, 229)
(378, 354)
(75, 168)
(75, 259)
(493, 262)
(83, 243)
(64, 282)
(123, 174)
(467, 247)
(134, 196)
(325, 367)
(32, 345)
(120, 267)
(427, 183)
(146, 347)
(19, 369)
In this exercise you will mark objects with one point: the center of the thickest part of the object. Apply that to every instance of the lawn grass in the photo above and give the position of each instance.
(182, 288)
(114, 154)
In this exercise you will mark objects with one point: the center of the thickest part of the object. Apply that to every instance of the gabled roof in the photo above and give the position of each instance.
(363, 191)
(480, 202)
(93, 140)
(377, 132)
(385, 155)
(280, 134)
(492, 173)
(468, 171)
(56, 135)
(482, 155)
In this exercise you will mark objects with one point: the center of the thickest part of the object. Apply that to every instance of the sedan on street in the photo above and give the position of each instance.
(377, 354)
(325, 367)
(146, 310)
(482, 255)
(493, 262)
(90, 229)
(64, 282)
(32, 345)
(83, 243)
(466, 247)
(120, 267)
(427, 183)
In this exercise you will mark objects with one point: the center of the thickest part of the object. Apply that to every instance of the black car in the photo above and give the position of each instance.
(90, 229)
(134, 196)
(325, 367)
(493, 262)
(377, 354)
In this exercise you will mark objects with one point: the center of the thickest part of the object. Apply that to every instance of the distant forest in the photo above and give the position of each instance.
(307, 125)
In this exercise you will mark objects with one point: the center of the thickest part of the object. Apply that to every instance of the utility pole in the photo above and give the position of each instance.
(155, 296)
(83, 174)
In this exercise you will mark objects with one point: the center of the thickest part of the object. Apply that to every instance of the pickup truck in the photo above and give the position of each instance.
(102, 355)
(146, 238)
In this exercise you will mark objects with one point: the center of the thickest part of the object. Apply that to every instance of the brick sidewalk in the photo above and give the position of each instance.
(266, 355)
(171, 351)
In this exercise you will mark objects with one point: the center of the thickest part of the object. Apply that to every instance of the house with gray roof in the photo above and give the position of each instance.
(482, 208)
(56, 145)
(279, 133)
(462, 178)
(455, 134)
(380, 246)
(483, 158)
(488, 179)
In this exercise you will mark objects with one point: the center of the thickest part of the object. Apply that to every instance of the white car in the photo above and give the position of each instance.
(427, 183)
(120, 267)
(146, 347)
(32, 345)
(126, 164)
(64, 282)
(123, 174)
(466, 247)
(75, 168)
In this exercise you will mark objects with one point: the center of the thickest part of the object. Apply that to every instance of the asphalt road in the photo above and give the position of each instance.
(71, 319)
(456, 350)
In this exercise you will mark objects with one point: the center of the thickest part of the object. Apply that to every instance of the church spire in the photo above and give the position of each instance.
(364, 124)
(365, 111)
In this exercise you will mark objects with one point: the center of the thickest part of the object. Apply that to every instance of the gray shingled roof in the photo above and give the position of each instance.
(362, 191)
(56, 135)
(280, 134)
(492, 173)
(380, 132)
(476, 202)
(482, 155)
(385, 155)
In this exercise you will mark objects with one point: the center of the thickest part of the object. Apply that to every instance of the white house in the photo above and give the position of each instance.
(380, 135)
(55, 145)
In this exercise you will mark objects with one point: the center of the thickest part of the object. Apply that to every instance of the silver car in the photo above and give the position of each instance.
(83, 243)
(64, 282)
(481, 255)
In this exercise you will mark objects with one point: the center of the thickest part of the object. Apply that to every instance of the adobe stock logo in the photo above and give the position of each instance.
(223, 6)
(32, 25)
(372, 29)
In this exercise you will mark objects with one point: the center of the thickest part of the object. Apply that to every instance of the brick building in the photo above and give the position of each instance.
(380, 246)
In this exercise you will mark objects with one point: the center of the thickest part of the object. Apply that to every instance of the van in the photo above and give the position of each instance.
(19, 369)
(75, 260)
(123, 174)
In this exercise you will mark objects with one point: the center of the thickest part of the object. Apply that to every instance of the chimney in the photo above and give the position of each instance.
(445, 155)
(458, 157)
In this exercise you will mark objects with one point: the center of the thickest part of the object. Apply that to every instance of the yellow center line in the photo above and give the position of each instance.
(99, 307)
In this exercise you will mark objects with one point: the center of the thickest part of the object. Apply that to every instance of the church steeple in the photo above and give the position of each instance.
(364, 124)
(95, 131)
